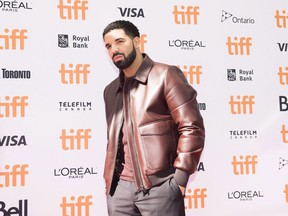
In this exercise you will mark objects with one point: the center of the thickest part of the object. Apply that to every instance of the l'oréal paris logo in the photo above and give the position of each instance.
(14, 6)
(186, 44)
(248, 195)
(75, 172)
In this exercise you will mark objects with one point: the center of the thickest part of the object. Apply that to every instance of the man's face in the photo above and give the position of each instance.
(120, 48)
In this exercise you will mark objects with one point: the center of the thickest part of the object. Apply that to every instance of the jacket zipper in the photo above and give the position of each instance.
(136, 168)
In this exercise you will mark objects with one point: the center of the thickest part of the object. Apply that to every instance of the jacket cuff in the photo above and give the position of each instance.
(181, 177)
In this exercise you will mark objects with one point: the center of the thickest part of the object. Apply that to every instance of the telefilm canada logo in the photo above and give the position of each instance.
(243, 134)
(242, 75)
(236, 19)
(75, 106)
(7, 73)
(73, 41)
(75, 172)
(186, 44)
(14, 6)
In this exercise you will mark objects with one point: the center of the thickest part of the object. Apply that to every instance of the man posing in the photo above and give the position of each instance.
(154, 127)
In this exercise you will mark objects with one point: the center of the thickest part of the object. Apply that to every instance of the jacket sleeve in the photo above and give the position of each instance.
(183, 105)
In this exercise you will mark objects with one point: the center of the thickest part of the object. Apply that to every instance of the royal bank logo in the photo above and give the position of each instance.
(282, 163)
(243, 134)
(15, 6)
(186, 44)
(6, 73)
(75, 106)
(235, 19)
(75, 172)
(242, 75)
(245, 195)
(73, 41)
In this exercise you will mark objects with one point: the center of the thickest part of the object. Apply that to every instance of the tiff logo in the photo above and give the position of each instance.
(10, 39)
(71, 9)
(76, 139)
(286, 192)
(195, 199)
(74, 75)
(242, 105)
(77, 206)
(239, 46)
(16, 106)
(281, 19)
(192, 73)
(13, 176)
(188, 15)
(143, 41)
(244, 165)
(284, 133)
(283, 75)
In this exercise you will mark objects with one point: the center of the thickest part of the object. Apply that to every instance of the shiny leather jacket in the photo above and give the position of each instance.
(165, 129)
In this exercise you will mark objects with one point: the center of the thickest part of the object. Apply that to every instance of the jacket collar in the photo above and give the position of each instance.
(141, 74)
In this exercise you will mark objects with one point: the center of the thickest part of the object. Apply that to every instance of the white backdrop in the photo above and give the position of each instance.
(54, 67)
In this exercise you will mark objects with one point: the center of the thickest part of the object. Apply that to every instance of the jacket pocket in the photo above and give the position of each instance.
(159, 145)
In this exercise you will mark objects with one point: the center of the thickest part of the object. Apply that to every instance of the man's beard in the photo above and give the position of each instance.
(123, 64)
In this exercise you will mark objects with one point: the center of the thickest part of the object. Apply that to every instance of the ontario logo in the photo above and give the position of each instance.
(236, 20)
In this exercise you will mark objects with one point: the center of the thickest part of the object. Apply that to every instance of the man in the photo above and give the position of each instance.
(154, 128)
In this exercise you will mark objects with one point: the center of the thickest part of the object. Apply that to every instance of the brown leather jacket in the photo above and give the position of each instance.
(165, 128)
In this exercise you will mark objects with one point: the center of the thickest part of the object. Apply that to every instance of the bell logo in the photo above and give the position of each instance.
(71, 9)
(74, 75)
(20, 210)
(283, 103)
(244, 165)
(284, 133)
(242, 105)
(13, 108)
(286, 192)
(188, 15)
(72, 141)
(10, 39)
(192, 73)
(283, 76)
(78, 206)
(239, 46)
(13, 176)
(195, 199)
(281, 19)
(143, 41)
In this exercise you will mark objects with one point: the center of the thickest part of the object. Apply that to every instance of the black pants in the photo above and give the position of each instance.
(162, 200)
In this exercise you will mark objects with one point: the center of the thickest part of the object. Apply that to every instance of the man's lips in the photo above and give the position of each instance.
(117, 57)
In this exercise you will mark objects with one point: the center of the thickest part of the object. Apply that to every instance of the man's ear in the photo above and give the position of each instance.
(136, 42)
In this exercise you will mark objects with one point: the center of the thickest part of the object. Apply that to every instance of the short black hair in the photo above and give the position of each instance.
(128, 27)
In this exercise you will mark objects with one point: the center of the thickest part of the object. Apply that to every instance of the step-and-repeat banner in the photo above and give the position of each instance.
(54, 67)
